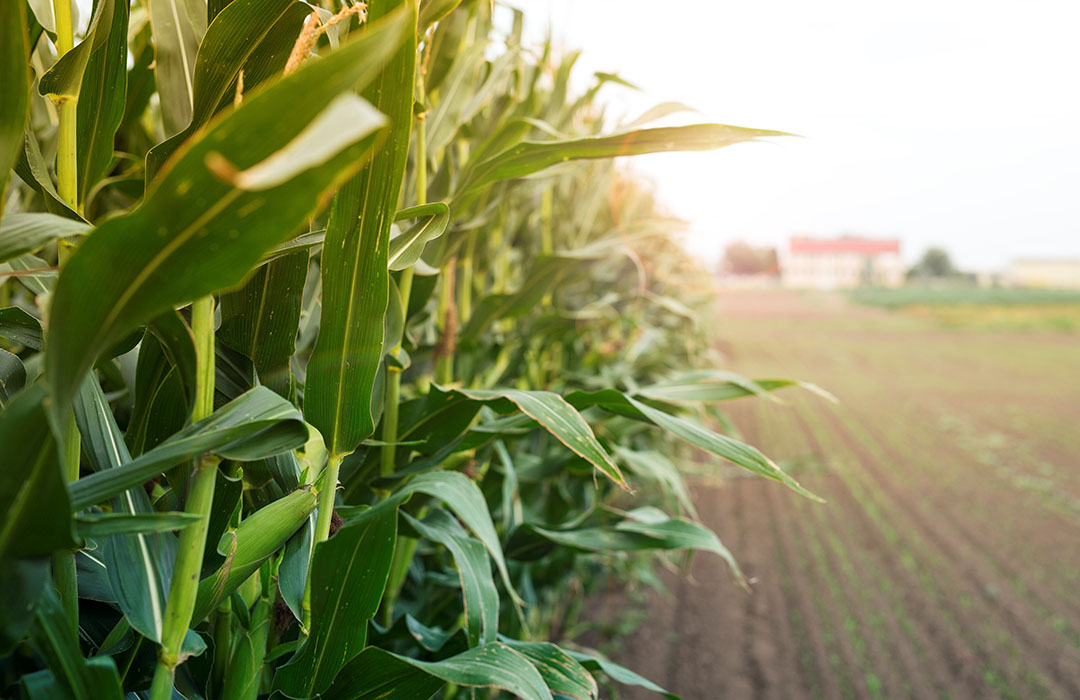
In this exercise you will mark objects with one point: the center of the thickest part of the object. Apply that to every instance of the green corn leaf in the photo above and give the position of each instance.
(37, 512)
(243, 674)
(531, 157)
(463, 497)
(101, 101)
(22, 581)
(732, 450)
(259, 535)
(32, 169)
(355, 278)
(348, 575)
(15, 77)
(293, 570)
(261, 318)
(208, 231)
(642, 530)
(561, 672)
(178, 27)
(228, 43)
(71, 672)
(94, 525)
(138, 565)
(478, 588)
(254, 426)
(162, 404)
(558, 417)
(28, 233)
(12, 376)
(431, 11)
(380, 674)
(177, 341)
(623, 675)
(20, 327)
(406, 248)
(63, 81)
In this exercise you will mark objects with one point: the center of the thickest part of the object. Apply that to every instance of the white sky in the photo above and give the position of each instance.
(950, 123)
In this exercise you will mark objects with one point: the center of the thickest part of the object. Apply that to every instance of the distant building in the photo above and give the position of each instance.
(1049, 272)
(841, 263)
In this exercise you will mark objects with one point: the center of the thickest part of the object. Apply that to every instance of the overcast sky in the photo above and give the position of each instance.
(949, 123)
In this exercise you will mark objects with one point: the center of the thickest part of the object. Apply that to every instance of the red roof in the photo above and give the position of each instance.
(860, 246)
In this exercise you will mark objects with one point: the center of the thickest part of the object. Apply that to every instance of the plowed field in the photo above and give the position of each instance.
(946, 563)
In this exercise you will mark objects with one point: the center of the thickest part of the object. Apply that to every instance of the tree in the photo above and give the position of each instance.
(934, 264)
(740, 258)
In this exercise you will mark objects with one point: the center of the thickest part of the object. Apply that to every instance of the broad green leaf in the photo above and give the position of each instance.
(94, 525)
(406, 248)
(561, 672)
(463, 497)
(254, 426)
(101, 100)
(63, 81)
(619, 673)
(259, 535)
(22, 581)
(293, 570)
(229, 41)
(348, 575)
(546, 274)
(243, 674)
(162, 404)
(32, 169)
(15, 77)
(20, 327)
(207, 232)
(12, 376)
(178, 27)
(431, 11)
(28, 233)
(138, 565)
(37, 512)
(355, 277)
(643, 530)
(558, 417)
(260, 319)
(378, 674)
(736, 452)
(531, 157)
(477, 586)
(85, 680)
(177, 340)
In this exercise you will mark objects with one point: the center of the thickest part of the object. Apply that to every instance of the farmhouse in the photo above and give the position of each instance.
(841, 263)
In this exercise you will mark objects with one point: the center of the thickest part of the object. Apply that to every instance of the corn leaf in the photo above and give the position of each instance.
(259, 535)
(406, 248)
(32, 169)
(20, 327)
(63, 81)
(254, 426)
(734, 451)
(619, 673)
(101, 102)
(260, 319)
(15, 77)
(562, 674)
(558, 417)
(477, 585)
(22, 581)
(348, 575)
(531, 157)
(138, 565)
(376, 673)
(208, 232)
(355, 278)
(37, 512)
(95, 525)
(178, 27)
(230, 40)
(29, 232)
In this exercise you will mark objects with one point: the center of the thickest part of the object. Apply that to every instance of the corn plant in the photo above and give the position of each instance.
(335, 354)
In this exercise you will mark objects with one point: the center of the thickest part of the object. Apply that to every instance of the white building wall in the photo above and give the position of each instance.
(841, 270)
(1045, 273)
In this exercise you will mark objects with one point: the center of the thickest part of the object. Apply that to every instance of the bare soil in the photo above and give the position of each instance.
(946, 562)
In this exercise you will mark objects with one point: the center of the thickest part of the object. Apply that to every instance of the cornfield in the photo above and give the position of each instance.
(337, 355)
